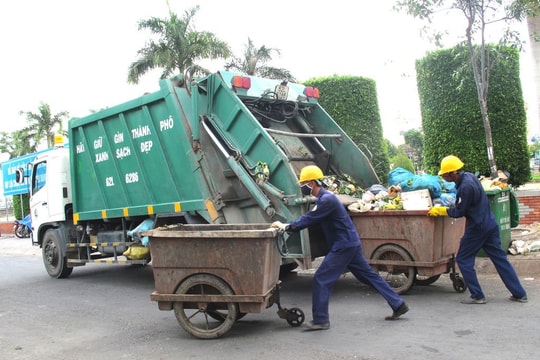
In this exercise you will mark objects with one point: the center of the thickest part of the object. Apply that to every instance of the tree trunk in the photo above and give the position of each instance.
(489, 139)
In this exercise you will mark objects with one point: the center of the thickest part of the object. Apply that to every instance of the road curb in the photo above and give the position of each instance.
(526, 265)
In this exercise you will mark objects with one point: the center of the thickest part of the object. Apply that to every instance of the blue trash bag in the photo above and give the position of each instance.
(142, 227)
(411, 182)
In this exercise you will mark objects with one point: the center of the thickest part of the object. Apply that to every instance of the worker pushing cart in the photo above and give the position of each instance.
(345, 250)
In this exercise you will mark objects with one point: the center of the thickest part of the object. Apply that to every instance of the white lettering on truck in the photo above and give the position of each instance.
(166, 124)
(140, 132)
(118, 138)
(98, 143)
(132, 177)
(79, 148)
(146, 146)
(103, 156)
(109, 181)
(123, 152)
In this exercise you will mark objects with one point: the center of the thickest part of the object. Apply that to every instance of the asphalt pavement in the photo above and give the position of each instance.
(104, 311)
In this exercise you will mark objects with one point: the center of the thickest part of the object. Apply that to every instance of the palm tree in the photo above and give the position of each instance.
(43, 125)
(253, 63)
(16, 144)
(178, 46)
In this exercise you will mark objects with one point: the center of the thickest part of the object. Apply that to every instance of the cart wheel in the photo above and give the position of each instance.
(458, 282)
(426, 280)
(299, 317)
(221, 315)
(400, 277)
(195, 318)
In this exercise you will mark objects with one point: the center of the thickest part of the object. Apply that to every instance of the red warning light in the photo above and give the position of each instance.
(311, 92)
(241, 82)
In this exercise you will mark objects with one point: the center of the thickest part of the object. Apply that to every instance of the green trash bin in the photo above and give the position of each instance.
(500, 203)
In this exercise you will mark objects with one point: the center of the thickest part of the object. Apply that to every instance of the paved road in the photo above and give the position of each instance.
(104, 311)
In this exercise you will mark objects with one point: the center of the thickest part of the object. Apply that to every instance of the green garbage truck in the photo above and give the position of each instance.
(216, 149)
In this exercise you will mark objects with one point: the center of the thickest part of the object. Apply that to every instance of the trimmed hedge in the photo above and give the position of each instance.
(451, 117)
(352, 102)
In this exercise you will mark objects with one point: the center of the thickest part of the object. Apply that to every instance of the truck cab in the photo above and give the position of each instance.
(50, 190)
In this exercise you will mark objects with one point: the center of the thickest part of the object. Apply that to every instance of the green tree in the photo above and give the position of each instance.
(43, 125)
(451, 118)
(479, 14)
(391, 149)
(414, 147)
(402, 160)
(16, 143)
(534, 149)
(254, 63)
(177, 46)
(21, 205)
(352, 102)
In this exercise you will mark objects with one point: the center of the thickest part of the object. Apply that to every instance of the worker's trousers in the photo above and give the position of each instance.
(332, 267)
(490, 242)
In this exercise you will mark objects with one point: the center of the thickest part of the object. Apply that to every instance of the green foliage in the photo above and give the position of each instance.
(177, 47)
(391, 149)
(254, 63)
(403, 161)
(414, 146)
(41, 127)
(352, 102)
(534, 150)
(21, 201)
(451, 117)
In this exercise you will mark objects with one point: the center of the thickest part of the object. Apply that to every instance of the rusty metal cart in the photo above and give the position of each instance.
(408, 247)
(212, 275)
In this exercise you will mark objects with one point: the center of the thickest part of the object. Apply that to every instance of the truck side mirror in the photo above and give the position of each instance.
(19, 176)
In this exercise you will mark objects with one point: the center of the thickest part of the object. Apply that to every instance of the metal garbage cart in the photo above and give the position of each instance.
(212, 275)
(408, 247)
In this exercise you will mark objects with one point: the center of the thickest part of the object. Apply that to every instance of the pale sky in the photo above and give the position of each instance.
(74, 55)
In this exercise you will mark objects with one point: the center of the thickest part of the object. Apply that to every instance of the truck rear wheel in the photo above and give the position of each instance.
(54, 257)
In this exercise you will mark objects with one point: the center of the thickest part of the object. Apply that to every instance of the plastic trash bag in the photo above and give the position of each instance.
(411, 182)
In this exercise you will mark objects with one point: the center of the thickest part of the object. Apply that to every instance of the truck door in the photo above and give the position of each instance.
(39, 206)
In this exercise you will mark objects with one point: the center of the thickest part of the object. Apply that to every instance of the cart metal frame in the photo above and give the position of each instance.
(212, 275)
(409, 247)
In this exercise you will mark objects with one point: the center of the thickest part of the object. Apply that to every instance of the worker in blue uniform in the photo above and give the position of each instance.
(345, 250)
(481, 232)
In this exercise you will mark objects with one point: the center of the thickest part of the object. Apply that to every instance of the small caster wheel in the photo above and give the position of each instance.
(295, 317)
(459, 283)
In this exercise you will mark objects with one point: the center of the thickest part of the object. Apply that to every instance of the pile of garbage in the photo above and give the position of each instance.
(400, 180)
(378, 197)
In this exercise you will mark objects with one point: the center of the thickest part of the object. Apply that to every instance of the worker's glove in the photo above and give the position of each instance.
(279, 225)
(438, 211)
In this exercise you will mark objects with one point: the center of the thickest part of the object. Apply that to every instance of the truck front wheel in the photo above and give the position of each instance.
(54, 257)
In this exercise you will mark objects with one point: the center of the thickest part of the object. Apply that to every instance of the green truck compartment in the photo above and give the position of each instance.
(211, 150)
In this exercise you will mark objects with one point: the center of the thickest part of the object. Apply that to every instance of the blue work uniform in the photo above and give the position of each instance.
(345, 253)
(481, 232)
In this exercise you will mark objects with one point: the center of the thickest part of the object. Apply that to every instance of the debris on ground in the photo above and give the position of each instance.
(525, 239)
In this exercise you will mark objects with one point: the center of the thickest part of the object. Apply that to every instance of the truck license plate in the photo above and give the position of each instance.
(282, 92)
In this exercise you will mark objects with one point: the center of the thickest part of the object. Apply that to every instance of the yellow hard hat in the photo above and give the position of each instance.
(450, 163)
(309, 173)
